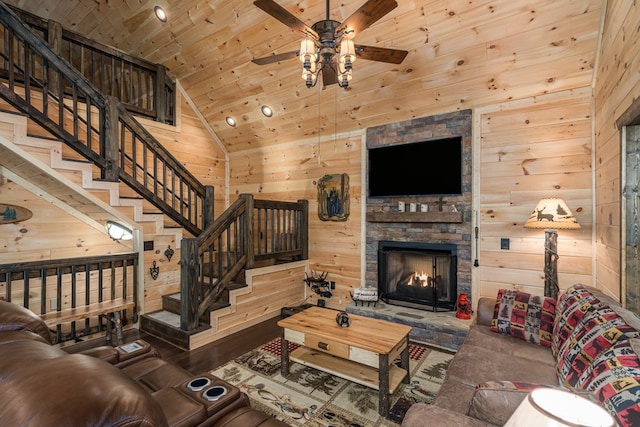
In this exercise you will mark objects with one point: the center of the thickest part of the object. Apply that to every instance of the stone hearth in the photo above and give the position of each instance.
(441, 329)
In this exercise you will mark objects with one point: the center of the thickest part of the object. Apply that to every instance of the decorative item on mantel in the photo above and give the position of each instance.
(362, 295)
(333, 197)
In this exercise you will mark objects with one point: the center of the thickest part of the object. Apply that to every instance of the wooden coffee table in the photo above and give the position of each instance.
(363, 353)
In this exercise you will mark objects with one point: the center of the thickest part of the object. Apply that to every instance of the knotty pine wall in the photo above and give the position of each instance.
(617, 85)
(291, 172)
(526, 149)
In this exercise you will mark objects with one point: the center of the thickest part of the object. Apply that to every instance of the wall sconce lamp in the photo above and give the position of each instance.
(551, 214)
(553, 407)
(118, 231)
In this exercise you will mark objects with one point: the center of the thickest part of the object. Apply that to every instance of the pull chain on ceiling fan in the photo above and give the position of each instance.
(328, 46)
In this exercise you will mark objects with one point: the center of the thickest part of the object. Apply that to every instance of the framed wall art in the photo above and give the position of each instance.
(333, 197)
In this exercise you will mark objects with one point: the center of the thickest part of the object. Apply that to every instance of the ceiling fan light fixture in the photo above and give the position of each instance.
(347, 53)
(308, 53)
(344, 75)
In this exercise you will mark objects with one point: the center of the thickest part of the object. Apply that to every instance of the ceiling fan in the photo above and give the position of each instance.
(327, 46)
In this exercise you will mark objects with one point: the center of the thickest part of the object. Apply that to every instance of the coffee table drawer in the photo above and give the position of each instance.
(332, 347)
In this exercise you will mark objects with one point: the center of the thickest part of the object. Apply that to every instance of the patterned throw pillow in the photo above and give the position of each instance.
(598, 330)
(571, 307)
(524, 316)
(614, 377)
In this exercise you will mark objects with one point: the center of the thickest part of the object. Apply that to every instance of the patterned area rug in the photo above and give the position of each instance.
(309, 397)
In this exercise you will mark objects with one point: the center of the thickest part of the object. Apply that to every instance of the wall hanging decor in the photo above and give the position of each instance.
(169, 252)
(333, 197)
(154, 271)
(12, 213)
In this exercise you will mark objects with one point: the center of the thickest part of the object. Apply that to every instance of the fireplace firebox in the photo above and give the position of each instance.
(418, 275)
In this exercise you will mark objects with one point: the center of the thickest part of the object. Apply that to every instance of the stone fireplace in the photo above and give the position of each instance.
(446, 224)
(417, 275)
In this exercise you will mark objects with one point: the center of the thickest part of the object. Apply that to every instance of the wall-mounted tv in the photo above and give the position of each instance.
(426, 168)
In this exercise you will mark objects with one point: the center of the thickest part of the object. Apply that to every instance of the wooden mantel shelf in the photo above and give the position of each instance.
(414, 216)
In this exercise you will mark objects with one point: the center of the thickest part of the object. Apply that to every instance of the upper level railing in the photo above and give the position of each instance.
(248, 231)
(50, 286)
(141, 86)
(42, 84)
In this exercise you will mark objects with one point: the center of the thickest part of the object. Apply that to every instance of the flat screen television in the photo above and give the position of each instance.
(426, 168)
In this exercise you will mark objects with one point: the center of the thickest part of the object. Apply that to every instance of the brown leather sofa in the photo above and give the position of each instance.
(42, 385)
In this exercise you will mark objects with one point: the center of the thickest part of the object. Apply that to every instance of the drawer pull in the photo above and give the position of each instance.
(323, 346)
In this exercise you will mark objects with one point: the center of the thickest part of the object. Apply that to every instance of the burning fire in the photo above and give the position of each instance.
(420, 279)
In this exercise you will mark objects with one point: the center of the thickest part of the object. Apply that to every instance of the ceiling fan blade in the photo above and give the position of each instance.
(381, 54)
(283, 15)
(275, 58)
(368, 13)
(329, 76)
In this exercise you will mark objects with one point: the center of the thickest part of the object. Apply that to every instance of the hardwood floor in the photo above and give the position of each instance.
(202, 359)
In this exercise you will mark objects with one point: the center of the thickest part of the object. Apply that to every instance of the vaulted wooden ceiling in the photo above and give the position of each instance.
(462, 53)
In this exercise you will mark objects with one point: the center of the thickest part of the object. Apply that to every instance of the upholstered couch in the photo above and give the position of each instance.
(130, 385)
(585, 342)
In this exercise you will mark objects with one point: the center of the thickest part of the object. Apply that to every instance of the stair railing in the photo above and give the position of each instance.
(248, 231)
(48, 287)
(141, 86)
(42, 84)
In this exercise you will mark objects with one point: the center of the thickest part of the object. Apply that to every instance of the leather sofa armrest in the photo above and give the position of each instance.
(485, 309)
(104, 352)
(419, 412)
(123, 355)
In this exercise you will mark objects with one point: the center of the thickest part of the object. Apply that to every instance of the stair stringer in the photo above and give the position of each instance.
(58, 163)
(268, 290)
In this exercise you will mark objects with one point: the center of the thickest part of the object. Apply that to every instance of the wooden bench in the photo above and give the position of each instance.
(110, 309)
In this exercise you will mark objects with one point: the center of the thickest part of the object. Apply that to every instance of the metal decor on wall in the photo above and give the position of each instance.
(12, 213)
(333, 197)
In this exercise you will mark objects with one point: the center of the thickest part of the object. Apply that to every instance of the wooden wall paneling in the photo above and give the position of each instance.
(516, 172)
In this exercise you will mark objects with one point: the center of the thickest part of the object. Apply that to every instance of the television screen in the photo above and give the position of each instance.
(427, 168)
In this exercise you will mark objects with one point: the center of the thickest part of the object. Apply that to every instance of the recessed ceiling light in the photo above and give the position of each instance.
(230, 121)
(160, 13)
(266, 110)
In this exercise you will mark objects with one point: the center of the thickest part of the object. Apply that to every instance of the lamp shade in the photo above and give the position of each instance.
(552, 213)
(118, 231)
(546, 407)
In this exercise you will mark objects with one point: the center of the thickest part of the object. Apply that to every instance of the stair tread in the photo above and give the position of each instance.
(166, 317)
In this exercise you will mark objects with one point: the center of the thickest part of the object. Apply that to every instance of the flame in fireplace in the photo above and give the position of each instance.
(420, 279)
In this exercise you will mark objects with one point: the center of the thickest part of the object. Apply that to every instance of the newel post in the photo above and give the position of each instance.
(247, 228)
(110, 140)
(160, 94)
(208, 213)
(189, 275)
(303, 226)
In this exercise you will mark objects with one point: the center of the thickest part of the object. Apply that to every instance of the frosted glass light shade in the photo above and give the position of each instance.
(118, 231)
(552, 213)
(347, 51)
(547, 407)
(307, 51)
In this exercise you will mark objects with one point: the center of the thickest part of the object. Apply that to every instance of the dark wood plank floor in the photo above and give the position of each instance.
(205, 358)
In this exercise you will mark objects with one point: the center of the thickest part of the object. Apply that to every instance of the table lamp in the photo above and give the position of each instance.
(551, 214)
(546, 407)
